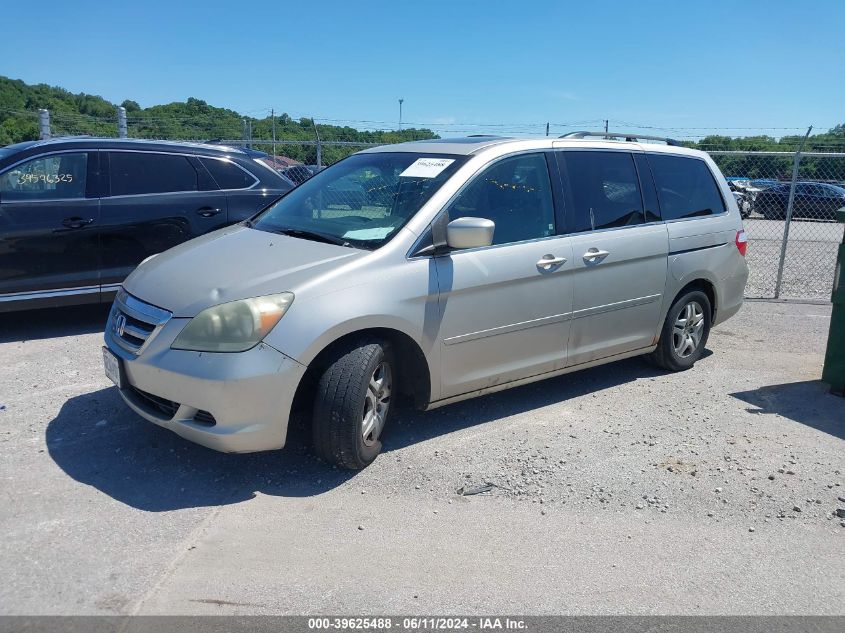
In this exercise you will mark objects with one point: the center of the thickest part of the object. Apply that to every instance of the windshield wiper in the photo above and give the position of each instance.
(313, 235)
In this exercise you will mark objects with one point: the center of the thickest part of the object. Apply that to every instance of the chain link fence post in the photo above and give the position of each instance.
(121, 122)
(319, 144)
(44, 124)
(789, 208)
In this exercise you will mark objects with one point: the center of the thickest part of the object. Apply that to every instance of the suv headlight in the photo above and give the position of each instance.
(235, 326)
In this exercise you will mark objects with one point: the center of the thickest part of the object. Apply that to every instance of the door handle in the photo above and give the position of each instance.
(547, 262)
(207, 212)
(593, 255)
(76, 222)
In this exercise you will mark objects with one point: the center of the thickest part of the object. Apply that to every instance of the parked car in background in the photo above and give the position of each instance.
(478, 264)
(813, 200)
(742, 196)
(300, 173)
(349, 191)
(78, 214)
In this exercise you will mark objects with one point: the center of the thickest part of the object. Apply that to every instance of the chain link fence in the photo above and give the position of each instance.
(789, 201)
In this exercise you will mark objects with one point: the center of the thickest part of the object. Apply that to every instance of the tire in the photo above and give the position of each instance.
(348, 395)
(767, 211)
(673, 351)
(771, 210)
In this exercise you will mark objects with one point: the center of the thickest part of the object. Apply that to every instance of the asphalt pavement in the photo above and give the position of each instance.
(620, 489)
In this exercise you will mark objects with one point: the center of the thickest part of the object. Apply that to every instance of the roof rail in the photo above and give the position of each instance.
(628, 136)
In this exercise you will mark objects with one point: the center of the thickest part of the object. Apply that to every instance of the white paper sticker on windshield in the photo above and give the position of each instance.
(375, 233)
(426, 167)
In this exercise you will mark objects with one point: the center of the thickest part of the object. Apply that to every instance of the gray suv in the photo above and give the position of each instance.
(456, 268)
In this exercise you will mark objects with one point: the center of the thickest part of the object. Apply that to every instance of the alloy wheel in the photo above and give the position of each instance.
(688, 329)
(376, 403)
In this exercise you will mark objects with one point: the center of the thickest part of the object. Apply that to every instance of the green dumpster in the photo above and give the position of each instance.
(834, 360)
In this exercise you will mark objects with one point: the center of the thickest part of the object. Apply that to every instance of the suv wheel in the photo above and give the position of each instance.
(353, 404)
(684, 333)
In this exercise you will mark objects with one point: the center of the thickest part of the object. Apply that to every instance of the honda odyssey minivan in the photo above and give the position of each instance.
(458, 268)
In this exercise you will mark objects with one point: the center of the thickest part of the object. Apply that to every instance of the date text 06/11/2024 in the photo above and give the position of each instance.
(417, 623)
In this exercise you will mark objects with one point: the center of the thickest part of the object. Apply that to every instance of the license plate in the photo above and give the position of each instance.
(113, 368)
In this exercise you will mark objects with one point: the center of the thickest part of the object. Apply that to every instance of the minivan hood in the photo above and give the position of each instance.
(230, 264)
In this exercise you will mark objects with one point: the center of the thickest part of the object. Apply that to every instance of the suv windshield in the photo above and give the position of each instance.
(361, 201)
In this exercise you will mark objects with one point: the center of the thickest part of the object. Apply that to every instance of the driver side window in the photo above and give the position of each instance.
(516, 194)
(57, 177)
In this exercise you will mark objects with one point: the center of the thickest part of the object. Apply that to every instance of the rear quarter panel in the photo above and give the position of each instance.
(705, 248)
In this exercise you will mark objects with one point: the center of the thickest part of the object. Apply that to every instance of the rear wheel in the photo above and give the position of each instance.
(684, 333)
(353, 404)
(772, 211)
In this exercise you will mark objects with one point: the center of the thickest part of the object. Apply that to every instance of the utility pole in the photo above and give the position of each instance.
(401, 101)
(44, 124)
(273, 117)
(606, 122)
(547, 129)
(121, 122)
(319, 144)
(244, 133)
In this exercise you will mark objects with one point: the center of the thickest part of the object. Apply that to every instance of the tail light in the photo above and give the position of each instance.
(741, 242)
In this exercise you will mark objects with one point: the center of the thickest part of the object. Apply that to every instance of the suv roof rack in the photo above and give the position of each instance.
(628, 136)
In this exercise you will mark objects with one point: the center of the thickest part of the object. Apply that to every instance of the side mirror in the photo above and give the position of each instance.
(470, 233)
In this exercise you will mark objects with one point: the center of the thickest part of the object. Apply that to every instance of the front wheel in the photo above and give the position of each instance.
(353, 403)
(684, 333)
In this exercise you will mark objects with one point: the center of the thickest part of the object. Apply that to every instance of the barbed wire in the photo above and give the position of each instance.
(197, 125)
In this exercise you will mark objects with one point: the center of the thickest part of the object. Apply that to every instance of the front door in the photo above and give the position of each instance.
(49, 216)
(505, 308)
(156, 201)
(619, 252)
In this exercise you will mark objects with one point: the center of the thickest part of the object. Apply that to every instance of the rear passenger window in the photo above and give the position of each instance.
(516, 194)
(227, 174)
(136, 173)
(685, 186)
(604, 190)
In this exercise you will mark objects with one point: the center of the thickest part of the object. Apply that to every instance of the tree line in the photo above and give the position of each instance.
(197, 120)
(193, 120)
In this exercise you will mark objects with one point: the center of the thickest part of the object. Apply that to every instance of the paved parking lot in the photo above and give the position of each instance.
(620, 489)
(810, 257)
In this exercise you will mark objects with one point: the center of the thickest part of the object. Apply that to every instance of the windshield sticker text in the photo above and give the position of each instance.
(426, 167)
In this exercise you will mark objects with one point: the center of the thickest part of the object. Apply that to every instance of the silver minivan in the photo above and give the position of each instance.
(436, 270)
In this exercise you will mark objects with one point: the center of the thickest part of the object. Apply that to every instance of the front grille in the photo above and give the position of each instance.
(133, 323)
(156, 404)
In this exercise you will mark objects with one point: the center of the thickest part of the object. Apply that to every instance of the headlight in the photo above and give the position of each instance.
(235, 326)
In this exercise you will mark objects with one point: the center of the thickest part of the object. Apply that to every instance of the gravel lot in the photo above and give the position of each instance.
(619, 489)
(810, 258)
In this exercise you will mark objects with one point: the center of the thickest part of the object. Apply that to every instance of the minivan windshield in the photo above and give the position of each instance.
(361, 201)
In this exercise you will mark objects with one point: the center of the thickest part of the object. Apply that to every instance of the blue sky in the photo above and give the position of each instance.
(461, 66)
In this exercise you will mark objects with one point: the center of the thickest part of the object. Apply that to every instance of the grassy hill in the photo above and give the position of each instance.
(192, 120)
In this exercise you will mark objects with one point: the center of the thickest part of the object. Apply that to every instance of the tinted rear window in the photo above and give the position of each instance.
(137, 173)
(227, 174)
(604, 190)
(685, 186)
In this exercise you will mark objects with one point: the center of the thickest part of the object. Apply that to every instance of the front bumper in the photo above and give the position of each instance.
(235, 403)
